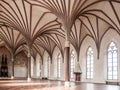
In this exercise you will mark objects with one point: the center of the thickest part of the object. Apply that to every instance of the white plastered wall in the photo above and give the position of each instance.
(20, 67)
(45, 57)
(100, 65)
(53, 68)
(38, 66)
(82, 58)
(53, 75)
(110, 36)
(75, 62)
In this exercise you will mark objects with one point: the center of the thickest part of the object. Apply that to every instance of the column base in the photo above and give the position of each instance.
(12, 77)
(28, 79)
(67, 84)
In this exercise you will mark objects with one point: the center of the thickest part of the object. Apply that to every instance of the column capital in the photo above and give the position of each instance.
(67, 43)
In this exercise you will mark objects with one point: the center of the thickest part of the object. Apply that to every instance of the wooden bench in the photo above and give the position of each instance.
(112, 82)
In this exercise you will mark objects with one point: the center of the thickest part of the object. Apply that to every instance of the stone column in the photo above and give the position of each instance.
(34, 70)
(29, 66)
(66, 60)
(12, 75)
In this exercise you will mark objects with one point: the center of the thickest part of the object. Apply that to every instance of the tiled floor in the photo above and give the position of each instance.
(51, 85)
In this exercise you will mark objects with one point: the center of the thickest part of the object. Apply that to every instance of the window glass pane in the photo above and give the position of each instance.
(114, 72)
(109, 64)
(91, 76)
(92, 62)
(91, 69)
(114, 68)
(115, 77)
(109, 77)
(115, 54)
(91, 65)
(109, 55)
(114, 60)
(110, 60)
(110, 73)
(91, 58)
(109, 69)
(114, 64)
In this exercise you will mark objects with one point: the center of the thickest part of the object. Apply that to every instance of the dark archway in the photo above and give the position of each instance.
(4, 67)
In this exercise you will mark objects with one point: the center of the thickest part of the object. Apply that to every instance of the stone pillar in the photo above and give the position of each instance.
(66, 60)
(29, 66)
(12, 75)
(34, 69)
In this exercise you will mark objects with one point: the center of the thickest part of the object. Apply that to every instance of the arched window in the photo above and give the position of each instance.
(59, 65)
(72, 64)
(90, 63)
(112, 61)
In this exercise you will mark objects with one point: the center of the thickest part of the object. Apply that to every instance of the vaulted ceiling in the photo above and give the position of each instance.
(42, 24)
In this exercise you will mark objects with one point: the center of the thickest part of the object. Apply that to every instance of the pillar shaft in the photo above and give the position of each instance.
(12, 74)
(67, 76)
(35, 69)
(13, 68)
(66, 59)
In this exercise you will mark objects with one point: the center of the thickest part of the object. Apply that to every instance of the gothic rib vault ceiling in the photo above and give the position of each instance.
(41, 24)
